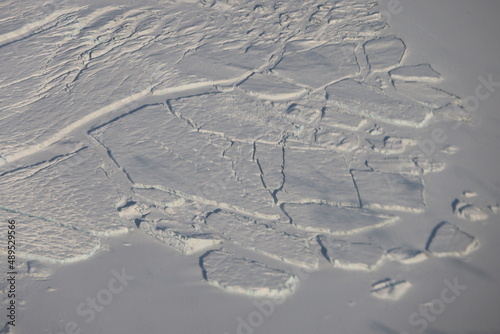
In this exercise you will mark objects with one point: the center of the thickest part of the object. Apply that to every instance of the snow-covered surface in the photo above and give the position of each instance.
(305, 150)
(390, 289)
(244, 276)
(449, 240)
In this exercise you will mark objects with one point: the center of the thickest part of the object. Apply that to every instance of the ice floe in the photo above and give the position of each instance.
(351, 255)
(240, 275)
(448, 240)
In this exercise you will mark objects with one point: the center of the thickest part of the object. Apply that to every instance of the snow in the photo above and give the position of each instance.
(400, 192)
(421, 72)
(264, 239)
(384, 53)
(352, 255)
(427, 95)
(305, 64)
(469, 211)
(74, 181)
(390, 289)
(449, 240)
(248, 146)
(317, 176)
(364, 100)
(48, 241)
(406, 255)
(324, 218)
(240, 275)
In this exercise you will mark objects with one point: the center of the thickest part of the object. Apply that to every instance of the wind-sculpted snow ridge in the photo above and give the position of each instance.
(268, 130)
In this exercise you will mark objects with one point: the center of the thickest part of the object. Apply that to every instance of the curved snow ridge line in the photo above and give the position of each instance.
(28, 29)
(201, 200)
(103, 111)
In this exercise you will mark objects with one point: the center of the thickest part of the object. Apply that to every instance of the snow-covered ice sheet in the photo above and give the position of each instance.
(264, 239)
(172, 156)
(324, 218)
(305, 63)
(317, 176)
(384, 53)
(365, 100)
(351, 255)
(422, 72)
(448, 240)
(390, 191)
(40, 239)
(259, 134)
(70, 189)
(390, 289)
(241, 275)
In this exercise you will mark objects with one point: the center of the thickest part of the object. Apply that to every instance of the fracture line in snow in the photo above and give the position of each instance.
(201, 200)
(135, 98)
(28, 29)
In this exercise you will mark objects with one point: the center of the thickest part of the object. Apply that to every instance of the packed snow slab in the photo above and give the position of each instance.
(264, 239)
(400, 165)
(469, 211)
(384, 53)
(417, 73)
(157, 197)
(181, 238)
(351, 255)
(232, 116)
(406, 255)
(343, 20)
(389, 191)
(40, 239)
(240, 275)
(359, 98)
(448, 240)
(335, 118)
(317, 176)
(323, 218)
(270, 159)
(79, 53)
(270, 87)
(316, 66)
(71, 189)
(390, 289)
(389, 145)
(417, 164)
(76, 53)
(222, 57)
(174, 157)
(424, 94)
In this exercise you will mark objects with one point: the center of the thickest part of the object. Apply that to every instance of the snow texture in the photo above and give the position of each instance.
(240, 275)
(448, 240)
(351, 255)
